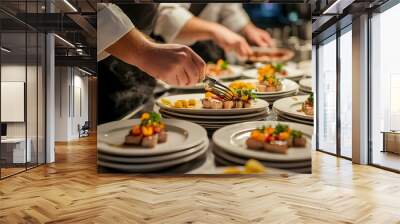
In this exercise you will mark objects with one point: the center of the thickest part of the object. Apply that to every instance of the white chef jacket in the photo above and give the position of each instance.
(173, 16)
(112, 24)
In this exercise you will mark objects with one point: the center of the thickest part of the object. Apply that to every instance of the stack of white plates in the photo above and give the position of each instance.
(289, 109)
(212, 119)
(306, 85)
(185, 143)
(230, 148)
(293, 74)
(289, 88)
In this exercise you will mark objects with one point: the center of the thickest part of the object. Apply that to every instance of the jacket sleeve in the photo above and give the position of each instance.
(171, 19)
(112, 24)
(234, 17)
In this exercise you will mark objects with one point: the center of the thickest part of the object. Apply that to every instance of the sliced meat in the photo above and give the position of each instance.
(228, 104)
(254, 144)
(162, 136)
(206, 103)
(216, 104)
(276, 147)
(247, 104)
(299, 142)
(261, 88)
(133, 140)
(238, 104)
(150, 141)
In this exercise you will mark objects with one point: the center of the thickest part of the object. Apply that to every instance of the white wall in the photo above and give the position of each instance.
(33, 127)
(70, 83)
(16, 73)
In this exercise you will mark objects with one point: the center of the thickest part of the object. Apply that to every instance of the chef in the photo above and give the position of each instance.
(205, 26)
(129, 63)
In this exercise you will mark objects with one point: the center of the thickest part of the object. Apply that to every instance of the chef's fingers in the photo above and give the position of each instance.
(191, 73)
(260, 41)
(267, 39)
(200, 66)
(246, 49)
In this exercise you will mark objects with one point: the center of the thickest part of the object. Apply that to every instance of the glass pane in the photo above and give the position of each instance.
(346, 94)
(385, 89)
(32, 97)
(13, 86)
(41, 99)
(327, 96)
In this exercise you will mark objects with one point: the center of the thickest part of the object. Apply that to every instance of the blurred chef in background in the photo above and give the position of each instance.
(208, 28)
(177, 64)
(129, 62)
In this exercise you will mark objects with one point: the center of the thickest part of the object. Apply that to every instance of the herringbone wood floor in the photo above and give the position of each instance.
(71, 191)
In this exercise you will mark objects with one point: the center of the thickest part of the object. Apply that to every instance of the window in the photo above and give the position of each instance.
(385, 87)
(327, 96)
(346, 92)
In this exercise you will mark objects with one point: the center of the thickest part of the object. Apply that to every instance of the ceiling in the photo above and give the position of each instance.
(72, 20)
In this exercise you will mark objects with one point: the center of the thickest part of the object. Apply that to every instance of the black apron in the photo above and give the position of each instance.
(124, 87)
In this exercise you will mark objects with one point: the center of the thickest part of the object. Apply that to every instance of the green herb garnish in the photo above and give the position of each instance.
(280, 128)
(224, 65)
(279, 67)
(311, 98)
(296, 134)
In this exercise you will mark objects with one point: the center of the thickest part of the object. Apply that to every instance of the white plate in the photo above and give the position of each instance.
(291, 105)
(287, 86)
(211, 117)
(222, 122)
(306, 84)
(232, 139)
(181, 135)
(293, 74)
(242, 161)
(151, 159)
(288, 54)
(236, 73)
(273, 99)
(153, 166)
(258, 105)
(266, 97)
(195, 87)
(304, 91)
(292, 119)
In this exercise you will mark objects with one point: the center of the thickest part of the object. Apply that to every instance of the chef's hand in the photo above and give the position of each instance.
(174, 64)
(230, 41)
(171, 63)
(257, 36)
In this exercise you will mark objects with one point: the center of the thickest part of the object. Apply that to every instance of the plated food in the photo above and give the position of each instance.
(268, 83)
(256, 105)
(279, 69)
(252, 166)
(284, 88)
(276, 139)
(270, 69)
(308, 106)
(232, 139)
(271, 55)
(183, 103)
(220, 68)
(243, 99)
(149, 132)
(223, 70)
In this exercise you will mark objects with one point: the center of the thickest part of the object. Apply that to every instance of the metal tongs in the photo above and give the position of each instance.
(218, 88)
